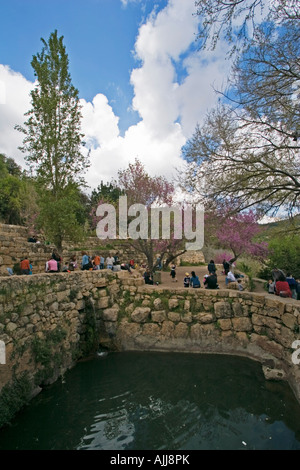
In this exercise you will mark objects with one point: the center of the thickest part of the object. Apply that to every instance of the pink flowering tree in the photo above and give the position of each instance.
(141, 188)
(237, 232)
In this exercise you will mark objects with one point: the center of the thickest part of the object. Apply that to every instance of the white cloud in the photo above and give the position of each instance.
(169, 106)
(16, 102)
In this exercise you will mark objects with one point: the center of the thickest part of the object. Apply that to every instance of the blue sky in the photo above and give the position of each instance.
(142, 82)
(99, 36)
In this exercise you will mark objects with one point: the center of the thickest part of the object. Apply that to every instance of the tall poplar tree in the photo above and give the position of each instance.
(53, 140)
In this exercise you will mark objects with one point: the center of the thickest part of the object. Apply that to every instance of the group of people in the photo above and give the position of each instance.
(210, 280)
(281, 284)
(87, 263)
(99, 262)
(284, 285)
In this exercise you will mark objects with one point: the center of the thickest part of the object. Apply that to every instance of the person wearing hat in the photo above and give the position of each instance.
(186, 280)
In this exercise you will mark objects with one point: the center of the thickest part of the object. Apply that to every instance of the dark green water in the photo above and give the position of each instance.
(159, 401)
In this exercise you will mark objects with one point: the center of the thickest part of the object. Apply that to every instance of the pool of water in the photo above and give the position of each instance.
(159, 401)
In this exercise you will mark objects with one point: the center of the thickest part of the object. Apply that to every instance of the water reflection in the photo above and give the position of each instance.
(160, 401)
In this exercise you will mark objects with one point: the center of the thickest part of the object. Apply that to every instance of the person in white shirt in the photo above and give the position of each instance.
(230, 278)
(109, 262)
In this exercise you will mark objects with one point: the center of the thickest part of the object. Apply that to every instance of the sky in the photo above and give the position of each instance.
(143, 83)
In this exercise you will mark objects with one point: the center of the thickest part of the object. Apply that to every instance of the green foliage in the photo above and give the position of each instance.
(106, 192)
(13, 397)
(52, 133)
(90, 338)
(59, 216)
(49, 352)
(11, 185)
(284, 254)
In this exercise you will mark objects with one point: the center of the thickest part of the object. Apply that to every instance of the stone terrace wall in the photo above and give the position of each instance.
(48, 321)
(14, 246)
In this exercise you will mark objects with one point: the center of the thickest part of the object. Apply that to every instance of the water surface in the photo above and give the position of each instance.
(159, 401)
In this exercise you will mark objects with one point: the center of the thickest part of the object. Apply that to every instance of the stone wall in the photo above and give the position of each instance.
(48, 321)
(14, 246)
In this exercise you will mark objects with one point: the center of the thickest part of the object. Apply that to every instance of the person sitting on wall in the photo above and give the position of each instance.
(109, 262)
(148, 277)
(271, 286)
(125, 267)
(186, 280)
(102, 261)
(293, 285)
(65, 268)
(85, 261)
(116, 259)
(25, 265)
(194, 281)
(96, 262)
(73, 263)
(56, 256)
(282, 287)
(52, 266)
(211, 282)
(230, 278)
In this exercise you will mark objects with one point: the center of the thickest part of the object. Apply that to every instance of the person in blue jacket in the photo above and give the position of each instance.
(194, 281)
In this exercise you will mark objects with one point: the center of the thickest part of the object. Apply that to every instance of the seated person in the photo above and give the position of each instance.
(186, 280)
(211, 282)
(194, 281)
(73, 263)
(271, 287)
(65, 268)
(126, 267)
(148, 277)
(25, 266)
(52, 266)
(230, 278)
(282, 288)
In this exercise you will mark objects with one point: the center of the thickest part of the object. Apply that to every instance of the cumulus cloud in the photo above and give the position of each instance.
(172, 92)
(14, 103)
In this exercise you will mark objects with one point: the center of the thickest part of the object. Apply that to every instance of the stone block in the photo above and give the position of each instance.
(225, 324)
(111, 314)
(158, 316)
(242, 324)
(140, 314)
(222, 310)
(181, 330)
(173, 303)
(157, 304)
(174, 316)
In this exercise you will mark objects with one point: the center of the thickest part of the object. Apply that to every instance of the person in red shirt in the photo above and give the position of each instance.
(25, 266)
(282, 288)
(96, 261)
